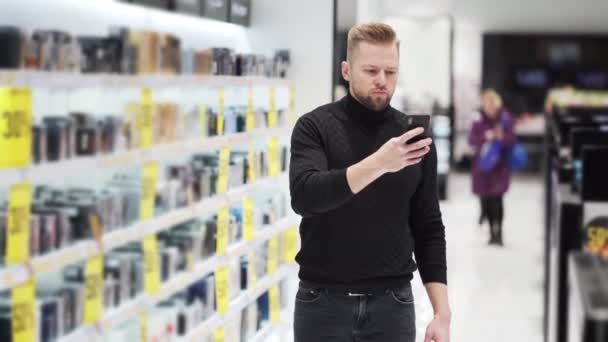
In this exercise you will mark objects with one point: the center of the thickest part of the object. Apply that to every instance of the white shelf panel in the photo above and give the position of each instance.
(49, 172)
(69, 80)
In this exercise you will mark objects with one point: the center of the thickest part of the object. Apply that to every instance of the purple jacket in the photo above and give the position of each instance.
(496, 181)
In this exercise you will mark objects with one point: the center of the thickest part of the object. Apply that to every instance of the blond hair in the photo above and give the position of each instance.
(375, 33)
(491, 95)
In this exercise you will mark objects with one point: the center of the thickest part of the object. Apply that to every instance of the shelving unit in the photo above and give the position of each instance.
(178, 283)
(15, 275)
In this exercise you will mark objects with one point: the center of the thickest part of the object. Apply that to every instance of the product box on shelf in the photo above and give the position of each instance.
(215, 9)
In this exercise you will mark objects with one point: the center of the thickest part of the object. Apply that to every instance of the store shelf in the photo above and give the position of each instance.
(15, 275)
(52, 171)
(69, 80)
(181, 281)
(239, 303)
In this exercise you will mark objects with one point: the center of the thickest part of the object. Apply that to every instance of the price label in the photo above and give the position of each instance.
(249, 117)
(151, 265)
(143, 327)
(221, 289)
(18, 224)
(220, 113)
(252, 160)
(218, 335)
(203, 120)
(148, 190)
(275, 305)
(144, 118)
(251, 269)
(597, 236)
(222, 230)
(93, 289)
(222, 177)
(273, 157)
(247, 219)
(272, 109)
(291, 245)
(292, 105)
(15, 127)
(272, 263)
(23, 319)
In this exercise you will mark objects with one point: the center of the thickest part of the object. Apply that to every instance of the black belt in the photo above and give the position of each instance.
(352, 292)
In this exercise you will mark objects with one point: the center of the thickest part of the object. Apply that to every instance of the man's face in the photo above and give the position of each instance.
(372, 72)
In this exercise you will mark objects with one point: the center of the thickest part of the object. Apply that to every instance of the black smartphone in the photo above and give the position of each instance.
(415, 121)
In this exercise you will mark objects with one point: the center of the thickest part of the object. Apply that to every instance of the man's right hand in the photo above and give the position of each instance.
(397, 154)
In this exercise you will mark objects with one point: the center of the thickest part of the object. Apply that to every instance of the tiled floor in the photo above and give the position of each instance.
(495, 293)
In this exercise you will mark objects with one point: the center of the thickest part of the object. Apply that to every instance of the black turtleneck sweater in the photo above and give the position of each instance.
(364, 240)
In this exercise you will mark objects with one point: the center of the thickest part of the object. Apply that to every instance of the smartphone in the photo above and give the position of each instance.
(415, 121)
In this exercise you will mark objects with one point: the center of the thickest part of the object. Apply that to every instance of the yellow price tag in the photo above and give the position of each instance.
(143, 327)
(220, 113)
(221, 290)
(252, 160)
(151, 266)
(273, 157)
(251, 270)
(18, 224)
(247, 219)
(272, 263)
(203, 120)
(292, 105)
(23, 319)
(272, 109)
(148, 190)
(144, 118)
(218, 335)
(275, 304)
(222, 177)
(15, 127)
(93, 289)
(291, 245)
(222, 230)
(249, 117)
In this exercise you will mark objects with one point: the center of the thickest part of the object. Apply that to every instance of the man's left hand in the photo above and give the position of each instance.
(438, 330)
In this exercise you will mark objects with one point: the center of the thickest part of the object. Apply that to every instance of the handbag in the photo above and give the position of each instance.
(517, 156)
(489, 155)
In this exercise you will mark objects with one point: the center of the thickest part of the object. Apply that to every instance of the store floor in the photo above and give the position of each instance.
(495, 293)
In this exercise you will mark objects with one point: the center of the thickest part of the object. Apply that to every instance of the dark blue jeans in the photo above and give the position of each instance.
(328, 316)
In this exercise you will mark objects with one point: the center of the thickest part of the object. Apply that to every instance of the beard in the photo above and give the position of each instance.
(371, 102)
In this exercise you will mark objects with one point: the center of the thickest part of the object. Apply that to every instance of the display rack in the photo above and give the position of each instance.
(178, 283)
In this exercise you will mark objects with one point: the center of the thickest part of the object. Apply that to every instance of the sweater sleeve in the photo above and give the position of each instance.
(314, 188)
(427, 226)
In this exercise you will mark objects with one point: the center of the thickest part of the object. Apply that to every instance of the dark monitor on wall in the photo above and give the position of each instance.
(581, 136)
(595, 173)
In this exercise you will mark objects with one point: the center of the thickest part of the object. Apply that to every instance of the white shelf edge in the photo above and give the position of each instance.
(18, 274)
(43, 79)
(49, 171)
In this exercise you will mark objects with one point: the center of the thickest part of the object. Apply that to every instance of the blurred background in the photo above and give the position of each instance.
(144, 146)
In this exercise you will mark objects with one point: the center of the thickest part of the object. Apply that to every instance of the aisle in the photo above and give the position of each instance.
(496, 294)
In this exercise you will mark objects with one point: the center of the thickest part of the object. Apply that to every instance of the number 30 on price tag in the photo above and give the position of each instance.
(23, 321)
(18, 223)
(93, 289)
(15, 127)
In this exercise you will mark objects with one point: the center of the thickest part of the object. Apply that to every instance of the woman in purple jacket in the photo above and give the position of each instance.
(493, 124)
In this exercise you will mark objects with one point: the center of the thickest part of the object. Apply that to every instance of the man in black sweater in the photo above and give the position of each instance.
(368, 199)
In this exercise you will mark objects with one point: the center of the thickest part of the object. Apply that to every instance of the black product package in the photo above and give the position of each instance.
(10, 47)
